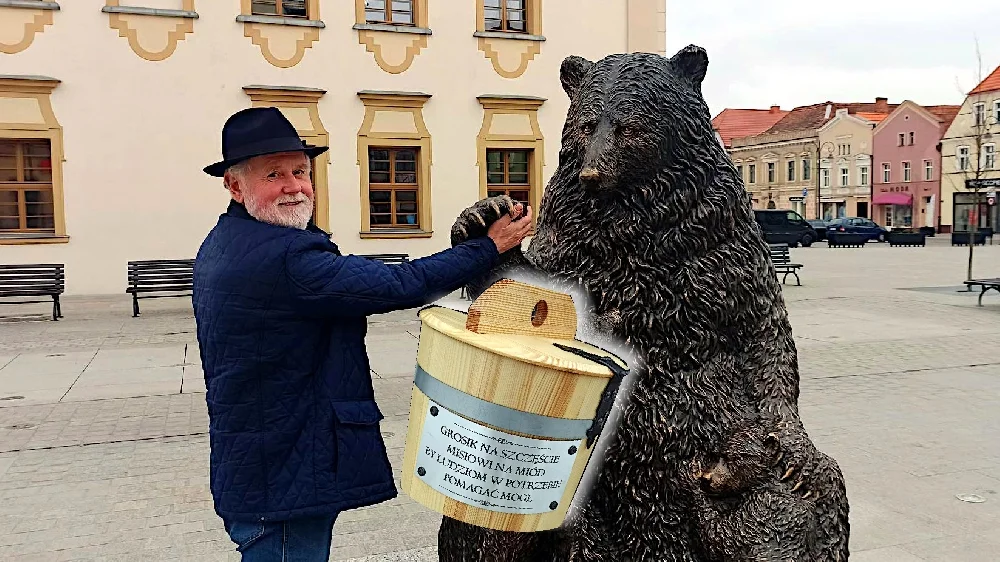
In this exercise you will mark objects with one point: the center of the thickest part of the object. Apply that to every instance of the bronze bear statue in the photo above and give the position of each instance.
(646, 214)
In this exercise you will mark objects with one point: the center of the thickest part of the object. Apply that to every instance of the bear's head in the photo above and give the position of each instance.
(631, 115)
(638, 160)
(746, 460)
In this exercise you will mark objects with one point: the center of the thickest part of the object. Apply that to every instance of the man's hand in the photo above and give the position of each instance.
(507, 232)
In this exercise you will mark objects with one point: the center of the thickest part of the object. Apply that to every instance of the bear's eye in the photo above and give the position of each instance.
(587, 128)
(627, 131)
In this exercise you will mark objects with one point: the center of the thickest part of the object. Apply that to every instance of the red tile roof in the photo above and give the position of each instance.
(808, 118)
(990, 84)
(811, 117)
(945, 113)
(873, 117)
(733, 123)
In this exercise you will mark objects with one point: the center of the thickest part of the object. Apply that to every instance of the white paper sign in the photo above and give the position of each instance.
(491, 469)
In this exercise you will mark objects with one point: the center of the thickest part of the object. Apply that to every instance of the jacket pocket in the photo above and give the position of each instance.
(361, 456)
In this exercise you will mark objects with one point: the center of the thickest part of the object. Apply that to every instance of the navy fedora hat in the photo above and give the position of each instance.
(255, 132)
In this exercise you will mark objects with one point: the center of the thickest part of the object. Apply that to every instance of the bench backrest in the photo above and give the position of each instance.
(32, 279)
(388, 258)
(166, 273)
(779, 253)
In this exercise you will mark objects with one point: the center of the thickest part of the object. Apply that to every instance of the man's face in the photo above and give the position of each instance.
(275, 188)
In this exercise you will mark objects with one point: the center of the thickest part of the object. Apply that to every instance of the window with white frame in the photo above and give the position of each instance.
(928, 170)
(979, 114)
(996, 110)
(989, 156)
(770, 172)
(863, 172)
(845, 177)
(826, 177)
(739, 170)
(791, 170)
(962, 160)
(906, 172)
(806, 169)
(752, 170)
(886, 169)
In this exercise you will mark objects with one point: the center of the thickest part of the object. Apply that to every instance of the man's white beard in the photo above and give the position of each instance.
(296, 216)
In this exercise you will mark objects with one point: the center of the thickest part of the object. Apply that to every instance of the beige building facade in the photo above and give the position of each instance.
(778, 170)
(109, 110)
(845, 174)
(968, 152)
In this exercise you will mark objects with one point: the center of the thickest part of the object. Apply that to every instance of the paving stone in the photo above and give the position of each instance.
(129, 359)
(897, 385)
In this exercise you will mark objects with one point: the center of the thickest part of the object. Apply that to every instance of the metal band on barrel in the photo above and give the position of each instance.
(498, 416)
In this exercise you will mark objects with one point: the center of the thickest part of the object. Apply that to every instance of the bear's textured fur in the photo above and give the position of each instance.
(646, 214)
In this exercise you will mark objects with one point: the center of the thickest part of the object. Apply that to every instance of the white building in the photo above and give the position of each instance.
(109, 110)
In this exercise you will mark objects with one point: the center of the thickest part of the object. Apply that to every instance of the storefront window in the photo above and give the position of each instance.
(965, 203)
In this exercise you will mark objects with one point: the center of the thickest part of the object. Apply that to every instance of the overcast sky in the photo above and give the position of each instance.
(791, 52)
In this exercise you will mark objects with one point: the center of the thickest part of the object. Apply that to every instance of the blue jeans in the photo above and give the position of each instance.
(305, 539)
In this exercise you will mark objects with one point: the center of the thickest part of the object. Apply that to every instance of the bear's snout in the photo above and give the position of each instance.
(590, 175)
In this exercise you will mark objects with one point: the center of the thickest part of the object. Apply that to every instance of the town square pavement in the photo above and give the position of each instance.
(104, 452)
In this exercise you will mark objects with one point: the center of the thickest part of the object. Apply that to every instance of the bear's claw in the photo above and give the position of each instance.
(475, 220)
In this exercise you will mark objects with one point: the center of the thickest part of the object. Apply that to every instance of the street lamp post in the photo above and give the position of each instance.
(819, 174)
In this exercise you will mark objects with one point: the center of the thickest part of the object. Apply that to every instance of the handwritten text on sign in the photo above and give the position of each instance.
(481, 466)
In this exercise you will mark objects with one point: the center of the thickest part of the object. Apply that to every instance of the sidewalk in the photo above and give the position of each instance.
(104, 452)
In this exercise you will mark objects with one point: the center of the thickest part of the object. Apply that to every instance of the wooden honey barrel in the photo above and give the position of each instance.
(505, 409)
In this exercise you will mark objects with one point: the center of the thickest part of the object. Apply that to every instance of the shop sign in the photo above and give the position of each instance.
(979, 184)
(895, 189)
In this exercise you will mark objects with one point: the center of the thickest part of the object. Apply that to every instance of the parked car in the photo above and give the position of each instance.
(785, 227)
(819, 226)
(858, 225)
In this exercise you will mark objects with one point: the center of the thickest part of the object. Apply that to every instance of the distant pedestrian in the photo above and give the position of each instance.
(281, 317)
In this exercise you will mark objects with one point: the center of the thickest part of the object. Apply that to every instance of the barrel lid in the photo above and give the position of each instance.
(533, 349)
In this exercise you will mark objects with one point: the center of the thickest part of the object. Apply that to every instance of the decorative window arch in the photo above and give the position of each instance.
(393, 131)
(152, 33)
(511, 148)
(31, 179)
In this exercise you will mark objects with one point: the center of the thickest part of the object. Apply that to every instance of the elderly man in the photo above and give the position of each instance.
(281, 317)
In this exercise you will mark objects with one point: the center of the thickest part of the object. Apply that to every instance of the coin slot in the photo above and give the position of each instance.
(539, 313)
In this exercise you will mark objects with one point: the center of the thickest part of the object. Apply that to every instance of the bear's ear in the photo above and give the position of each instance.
(691, 62)
(572, 71)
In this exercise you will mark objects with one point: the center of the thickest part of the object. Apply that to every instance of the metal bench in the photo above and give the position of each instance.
(782, 261)
(984, 285)
(28, 281)
(162, 278)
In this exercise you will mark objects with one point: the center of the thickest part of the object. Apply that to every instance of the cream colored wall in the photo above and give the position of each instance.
(961, 132)
(137, 133)
(647, 23)
(859, 134)
(781, 191)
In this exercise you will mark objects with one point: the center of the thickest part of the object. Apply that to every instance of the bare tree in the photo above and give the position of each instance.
(976, 163)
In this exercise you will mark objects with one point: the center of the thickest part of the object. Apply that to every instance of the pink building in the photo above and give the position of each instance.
(906, 159)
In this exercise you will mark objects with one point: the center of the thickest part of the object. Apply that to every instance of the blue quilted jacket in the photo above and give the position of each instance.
(293, 424)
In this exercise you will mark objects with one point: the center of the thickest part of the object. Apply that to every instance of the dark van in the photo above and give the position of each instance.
(785, 227)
